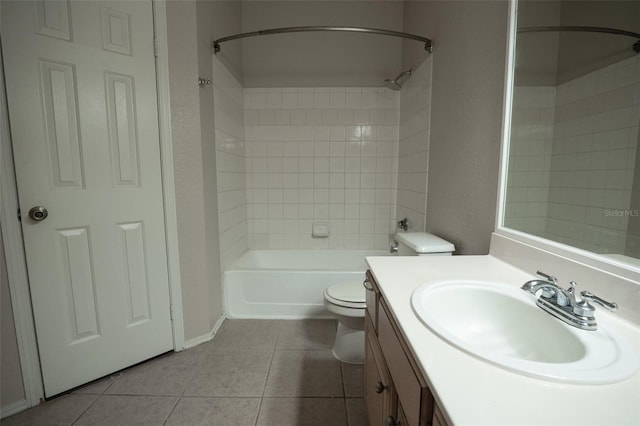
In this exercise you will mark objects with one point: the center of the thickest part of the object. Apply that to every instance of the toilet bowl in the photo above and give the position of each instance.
(347, 300)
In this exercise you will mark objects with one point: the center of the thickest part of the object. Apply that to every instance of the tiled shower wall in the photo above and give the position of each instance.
(530, 159)
(572, 159)
(413, 157)
(321, 155)
(593, 160)
(230, 163)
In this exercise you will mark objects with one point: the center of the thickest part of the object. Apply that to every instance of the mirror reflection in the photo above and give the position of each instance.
(574, 164)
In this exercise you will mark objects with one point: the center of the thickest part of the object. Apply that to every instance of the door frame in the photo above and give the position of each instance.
(12, 231)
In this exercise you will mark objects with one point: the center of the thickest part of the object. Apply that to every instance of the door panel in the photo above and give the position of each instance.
(83, 112)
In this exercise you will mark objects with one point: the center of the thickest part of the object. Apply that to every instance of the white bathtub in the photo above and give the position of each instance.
(289, 284)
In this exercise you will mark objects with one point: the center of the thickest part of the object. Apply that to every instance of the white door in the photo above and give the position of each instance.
(80, 79)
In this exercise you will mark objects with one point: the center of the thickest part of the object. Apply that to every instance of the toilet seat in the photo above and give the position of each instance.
(349, 294)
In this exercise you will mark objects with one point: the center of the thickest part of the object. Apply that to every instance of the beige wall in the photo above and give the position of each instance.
(194, 164)
(466, 116)
(11, 386)
(582, 53)
(320, 59)
(551, 58)
(210, 17)
(187, 151)
(537, 52)
(225, 19)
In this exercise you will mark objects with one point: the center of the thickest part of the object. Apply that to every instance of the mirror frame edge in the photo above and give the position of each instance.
(559, 249)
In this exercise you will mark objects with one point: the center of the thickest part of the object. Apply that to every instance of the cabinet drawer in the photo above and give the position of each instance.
(407, 384)
(372, 299)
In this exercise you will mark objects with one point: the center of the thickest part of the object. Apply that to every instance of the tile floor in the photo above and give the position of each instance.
(255, 372)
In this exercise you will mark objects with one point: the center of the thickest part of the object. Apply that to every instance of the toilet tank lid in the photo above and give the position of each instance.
(423, 242)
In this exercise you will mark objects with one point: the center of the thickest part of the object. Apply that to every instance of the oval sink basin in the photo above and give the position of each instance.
(501, 324)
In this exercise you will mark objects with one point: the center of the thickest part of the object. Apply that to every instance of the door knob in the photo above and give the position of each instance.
(38, 214)
(381, 387)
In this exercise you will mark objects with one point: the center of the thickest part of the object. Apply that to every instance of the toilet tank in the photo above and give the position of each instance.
(422, 244)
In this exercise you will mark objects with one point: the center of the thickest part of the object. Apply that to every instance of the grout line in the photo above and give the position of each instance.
(162, 395)
(266, 380)
(271, 360)
(172, 410)
(211, 396)
(85, 411)
(344, 394)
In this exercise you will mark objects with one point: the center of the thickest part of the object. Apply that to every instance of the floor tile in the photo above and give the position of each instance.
(231, 373)
(98, 387)
(166, 375)
(215, 411)
(199, 352)
(247, 334)
(302, 412)
(128, 410)
(353, 378)
(222, 382)
(356, 412)
(59, 411)
(306, 334)
(304, 373)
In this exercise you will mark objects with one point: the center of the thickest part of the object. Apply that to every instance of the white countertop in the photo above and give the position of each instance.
(471, 391)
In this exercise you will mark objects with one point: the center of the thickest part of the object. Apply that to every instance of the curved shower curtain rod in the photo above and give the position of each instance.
(636, 45)
(428, 46)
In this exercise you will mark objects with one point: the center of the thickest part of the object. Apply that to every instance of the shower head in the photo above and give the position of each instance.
(396, 83)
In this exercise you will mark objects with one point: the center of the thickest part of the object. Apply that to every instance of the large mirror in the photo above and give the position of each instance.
(573, 173)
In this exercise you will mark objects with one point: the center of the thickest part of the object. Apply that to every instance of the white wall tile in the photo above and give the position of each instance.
(587, 144)
(413, 148)
(229, 123)
(313, 155)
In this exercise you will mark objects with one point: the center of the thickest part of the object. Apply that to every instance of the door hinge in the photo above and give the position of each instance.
(19, 215)
(171, 311)
(155, 47)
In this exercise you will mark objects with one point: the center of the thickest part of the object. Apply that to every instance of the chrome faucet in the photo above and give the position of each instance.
(549, 285)
(562, 303)
(550, 289)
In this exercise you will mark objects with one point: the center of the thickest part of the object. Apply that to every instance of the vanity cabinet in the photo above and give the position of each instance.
(372, 296)
(379, 392)
(396, 393)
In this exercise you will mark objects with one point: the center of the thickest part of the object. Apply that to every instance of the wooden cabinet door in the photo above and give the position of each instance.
(438, 417)
(401, 418)
(372, 299)
(378, 389)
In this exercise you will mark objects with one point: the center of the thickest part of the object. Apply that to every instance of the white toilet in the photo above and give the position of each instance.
(346, 300)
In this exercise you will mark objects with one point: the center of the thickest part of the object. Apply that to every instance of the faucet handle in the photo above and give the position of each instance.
(590, 297)
(547, 277)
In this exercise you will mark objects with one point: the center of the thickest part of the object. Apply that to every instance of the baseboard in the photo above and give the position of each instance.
(206, 337)
(14, 408)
